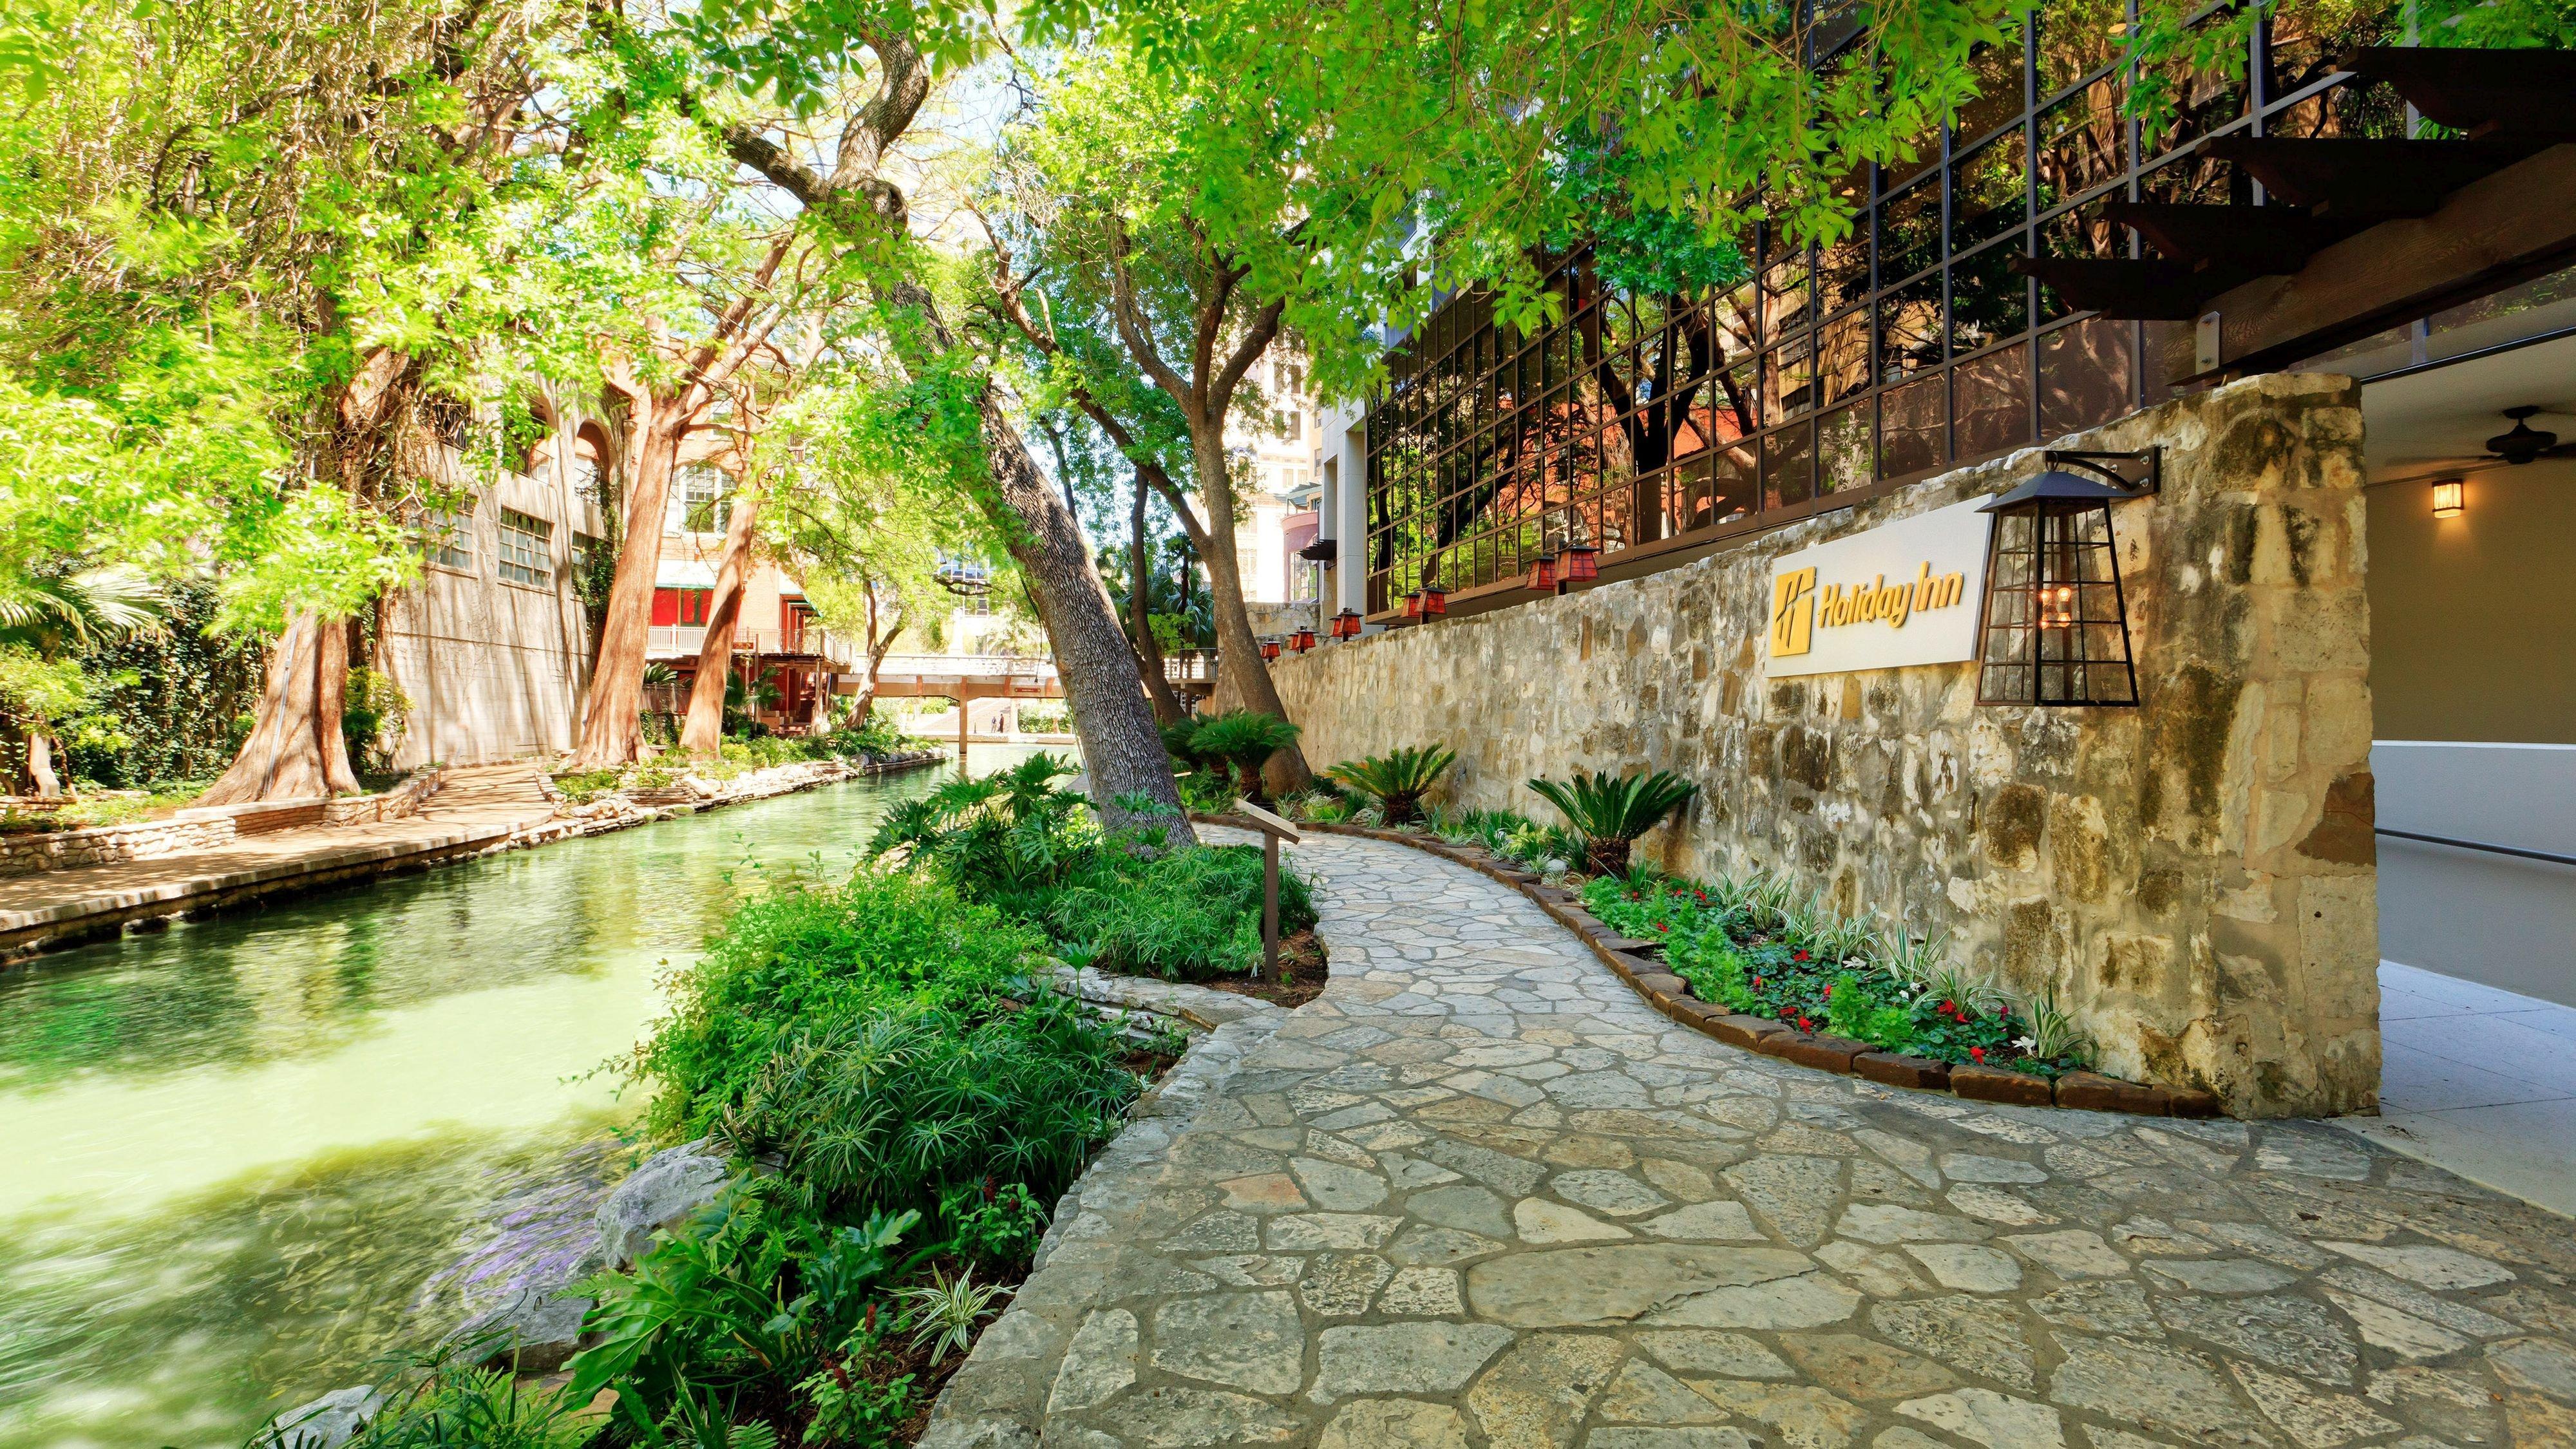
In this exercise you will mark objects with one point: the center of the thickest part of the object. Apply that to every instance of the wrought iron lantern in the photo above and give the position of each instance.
(1302, 640)
(1346, 624)
(1413, 606)
(1582, 563)
(1435, 599)
(2055, 623)
(1269, 649)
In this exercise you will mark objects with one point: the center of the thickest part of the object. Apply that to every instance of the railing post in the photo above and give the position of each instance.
(1273, 830)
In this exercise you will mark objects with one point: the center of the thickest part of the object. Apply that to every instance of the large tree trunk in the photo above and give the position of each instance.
(40, 764)
(1121, 748)
(705, 732)
(295, 752)
(879, 646)
(610, 736)
(1243, 676)
(1140, 617)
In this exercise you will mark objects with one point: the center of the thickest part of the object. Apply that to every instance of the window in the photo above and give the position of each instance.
(699, 501)
(526, 555)
(447, 538)
(585, 549)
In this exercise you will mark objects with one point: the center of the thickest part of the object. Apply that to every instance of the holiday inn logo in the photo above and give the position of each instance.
(1918, 577)
(1793, 613)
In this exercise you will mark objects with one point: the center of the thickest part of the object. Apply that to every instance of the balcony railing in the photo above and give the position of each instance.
(1190, 666)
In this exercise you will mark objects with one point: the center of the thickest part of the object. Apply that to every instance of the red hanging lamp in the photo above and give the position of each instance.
(1544, 576)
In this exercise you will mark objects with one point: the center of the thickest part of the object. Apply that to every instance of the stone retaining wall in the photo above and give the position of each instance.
(211, 828)
(2194, 877)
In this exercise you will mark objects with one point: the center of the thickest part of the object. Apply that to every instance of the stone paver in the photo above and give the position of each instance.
(1481, 1194)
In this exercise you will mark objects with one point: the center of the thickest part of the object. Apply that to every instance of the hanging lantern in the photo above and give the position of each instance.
(1544, 576)
(1302, 640)
(1582, 563)
(1346, 624)
(2055, 626)
(1269, 649)
(1435, 600)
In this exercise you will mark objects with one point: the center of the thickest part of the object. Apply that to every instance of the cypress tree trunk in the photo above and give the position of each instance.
(295, 752)
(705, 732)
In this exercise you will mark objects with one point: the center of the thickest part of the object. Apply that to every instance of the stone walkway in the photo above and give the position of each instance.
(1481, 1194)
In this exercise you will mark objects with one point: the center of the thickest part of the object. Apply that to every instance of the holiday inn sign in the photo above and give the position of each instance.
(1901, 594)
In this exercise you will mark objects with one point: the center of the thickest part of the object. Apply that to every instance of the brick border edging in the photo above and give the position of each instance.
(1670, 995)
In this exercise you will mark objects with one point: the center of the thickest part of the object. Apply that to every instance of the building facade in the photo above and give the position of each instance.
(493, 643)
(2326, 310)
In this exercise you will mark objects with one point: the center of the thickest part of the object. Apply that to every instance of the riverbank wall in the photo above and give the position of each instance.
(477, 812)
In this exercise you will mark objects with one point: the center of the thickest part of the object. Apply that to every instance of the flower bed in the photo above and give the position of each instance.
(1786, 962)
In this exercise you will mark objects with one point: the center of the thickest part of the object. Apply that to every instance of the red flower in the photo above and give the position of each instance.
(1798, 956)
(1804, 1024)
(1979, 1053)
(1663, 925)
(1757, 983)
(1947, 1008)
(1829, 993)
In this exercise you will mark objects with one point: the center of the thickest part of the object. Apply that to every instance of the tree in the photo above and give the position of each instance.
(855, 199)
(1091, 203)
(208, 212)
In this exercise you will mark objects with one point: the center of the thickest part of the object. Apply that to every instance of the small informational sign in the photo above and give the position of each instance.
(1902, 593)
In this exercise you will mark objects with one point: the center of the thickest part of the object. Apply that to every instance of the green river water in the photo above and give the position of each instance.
(238, 1154)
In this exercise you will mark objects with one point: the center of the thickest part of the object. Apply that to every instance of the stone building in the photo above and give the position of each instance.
(2330, 699)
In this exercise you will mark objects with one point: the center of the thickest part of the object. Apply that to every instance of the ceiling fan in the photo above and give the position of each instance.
(2525, 443)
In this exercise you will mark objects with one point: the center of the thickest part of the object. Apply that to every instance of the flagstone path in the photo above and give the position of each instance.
(1481, 1194)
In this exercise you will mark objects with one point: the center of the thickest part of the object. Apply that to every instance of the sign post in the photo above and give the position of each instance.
(1273, 830)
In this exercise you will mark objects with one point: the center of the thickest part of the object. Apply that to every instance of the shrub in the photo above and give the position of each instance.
(1398, 779)
(1012, 838)
(893, 1108)
(1610, 813)
(447, 1403)
(1185, 916)
(1757, 945)
(803, 958)
(1243, 739)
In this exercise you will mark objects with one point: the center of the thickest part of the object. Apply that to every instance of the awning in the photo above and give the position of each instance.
(684, 573)
(1299, 529)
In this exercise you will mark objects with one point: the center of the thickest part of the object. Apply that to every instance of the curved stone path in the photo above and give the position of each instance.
(1481, 1194)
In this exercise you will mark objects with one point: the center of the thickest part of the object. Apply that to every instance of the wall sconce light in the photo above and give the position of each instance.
(1582, 563)
(1302, 640)
(1269, 649)
(1346, 624)
(2055, 624)
(1413, 606)
(1435, 599)
(2450, 497)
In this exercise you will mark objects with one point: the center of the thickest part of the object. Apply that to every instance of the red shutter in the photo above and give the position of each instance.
(666, 607)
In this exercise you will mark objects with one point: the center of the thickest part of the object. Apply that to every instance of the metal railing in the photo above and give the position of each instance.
(2518, 852)
(1190, 666)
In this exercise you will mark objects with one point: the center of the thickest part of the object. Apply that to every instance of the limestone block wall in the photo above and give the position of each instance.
(2193, 877)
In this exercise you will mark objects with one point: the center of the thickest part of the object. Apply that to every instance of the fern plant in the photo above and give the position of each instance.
(945, 1311)
(1398, 779)
(1243, 739)
(1610, 812)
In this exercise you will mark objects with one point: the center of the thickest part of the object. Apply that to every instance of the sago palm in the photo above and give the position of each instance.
(1398, 779)
(1610, 812)
(1244, 739)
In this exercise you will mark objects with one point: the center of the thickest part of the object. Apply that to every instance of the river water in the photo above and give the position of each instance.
(235, 1156)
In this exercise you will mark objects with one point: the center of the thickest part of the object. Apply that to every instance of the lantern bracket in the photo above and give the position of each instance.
(2140, 474)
